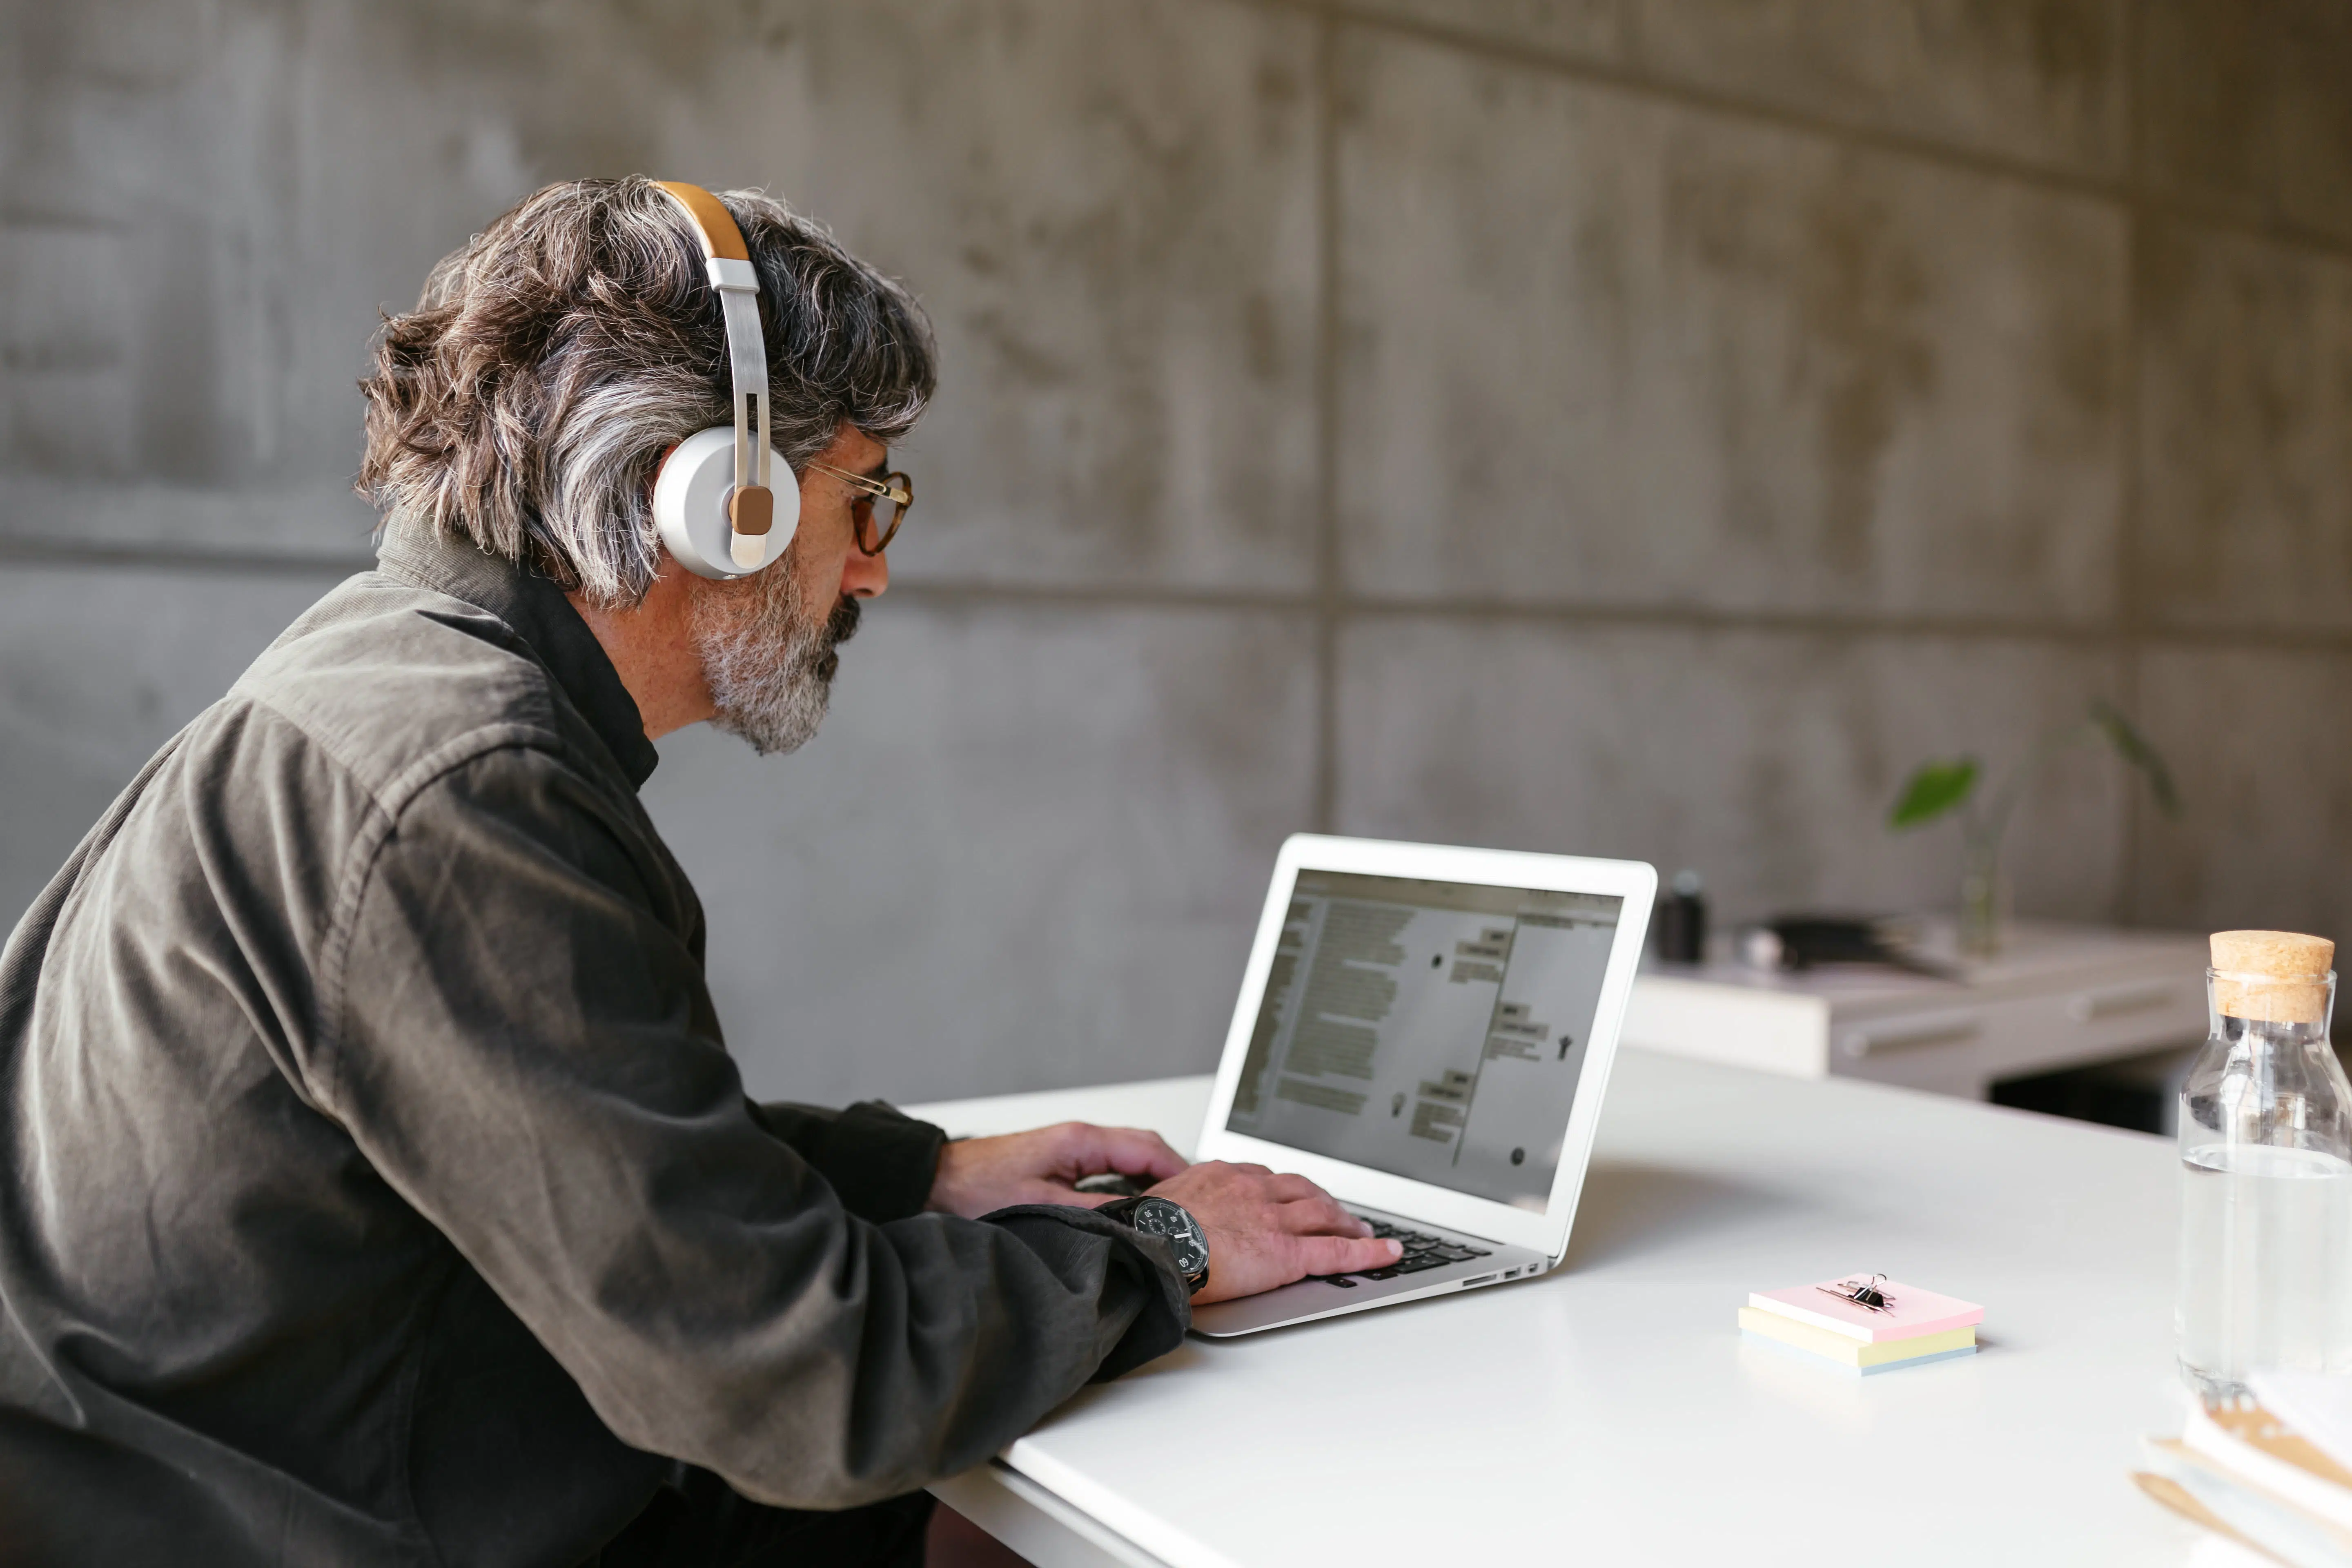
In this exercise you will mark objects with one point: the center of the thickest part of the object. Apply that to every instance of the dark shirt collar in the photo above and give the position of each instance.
(541, 616)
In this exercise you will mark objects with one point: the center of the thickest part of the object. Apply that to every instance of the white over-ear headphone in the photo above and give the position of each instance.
(711, 498)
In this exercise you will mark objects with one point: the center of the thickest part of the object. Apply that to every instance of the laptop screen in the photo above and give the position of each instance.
(1434, 1030)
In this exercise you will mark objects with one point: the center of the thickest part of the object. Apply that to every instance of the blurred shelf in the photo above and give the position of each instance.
(2057, 997)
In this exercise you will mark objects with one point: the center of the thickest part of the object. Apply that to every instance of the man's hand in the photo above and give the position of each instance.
(1266, 1230)
(981, 1175)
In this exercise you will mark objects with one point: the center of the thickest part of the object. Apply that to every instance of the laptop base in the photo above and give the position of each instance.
(1489, 1262)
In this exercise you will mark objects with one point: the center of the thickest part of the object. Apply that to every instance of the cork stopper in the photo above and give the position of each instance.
(2271, 976)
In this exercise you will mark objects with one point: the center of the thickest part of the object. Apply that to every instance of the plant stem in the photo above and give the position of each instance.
(2012, 789)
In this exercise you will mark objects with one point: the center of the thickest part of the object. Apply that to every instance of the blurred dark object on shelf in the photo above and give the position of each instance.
(1807, 941)
(1681, 927)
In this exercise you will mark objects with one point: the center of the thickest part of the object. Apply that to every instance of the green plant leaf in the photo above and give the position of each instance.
(2133, 747)
(1934, 789)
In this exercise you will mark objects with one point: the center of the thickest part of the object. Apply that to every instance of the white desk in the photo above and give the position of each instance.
(1610, 1413)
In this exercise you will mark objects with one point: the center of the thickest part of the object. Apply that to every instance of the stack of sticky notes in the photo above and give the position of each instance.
(1824, 1324)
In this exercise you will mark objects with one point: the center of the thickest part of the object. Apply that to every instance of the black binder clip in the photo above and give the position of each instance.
(1863, 1293)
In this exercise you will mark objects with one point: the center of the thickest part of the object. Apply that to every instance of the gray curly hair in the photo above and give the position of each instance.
(527, 401)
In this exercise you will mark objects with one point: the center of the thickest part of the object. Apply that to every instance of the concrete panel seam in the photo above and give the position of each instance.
(1635, 81)
(1334, 609)
(2125, 896)
(150, 557)
(1331, 594)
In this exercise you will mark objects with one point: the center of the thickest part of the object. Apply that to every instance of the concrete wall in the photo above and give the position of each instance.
(1634, 426)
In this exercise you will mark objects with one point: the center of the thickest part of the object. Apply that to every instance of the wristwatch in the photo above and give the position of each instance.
(1158, 1217)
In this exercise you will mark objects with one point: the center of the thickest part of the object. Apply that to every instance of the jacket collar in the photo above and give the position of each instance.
(537, 612)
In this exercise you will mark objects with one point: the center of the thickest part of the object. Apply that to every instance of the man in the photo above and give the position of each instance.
(377, 1188)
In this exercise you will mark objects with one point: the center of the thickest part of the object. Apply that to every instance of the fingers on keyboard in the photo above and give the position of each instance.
(1422, 1250)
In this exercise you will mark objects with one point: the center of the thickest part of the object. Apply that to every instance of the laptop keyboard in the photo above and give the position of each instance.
(1422, 1250)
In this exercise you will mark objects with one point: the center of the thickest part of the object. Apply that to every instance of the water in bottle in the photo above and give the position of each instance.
(2265, 1172)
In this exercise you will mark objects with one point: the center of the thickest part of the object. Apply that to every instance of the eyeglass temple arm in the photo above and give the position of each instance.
(871, 487)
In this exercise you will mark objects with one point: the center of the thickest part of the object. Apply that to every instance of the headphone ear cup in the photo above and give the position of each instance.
(690, 507)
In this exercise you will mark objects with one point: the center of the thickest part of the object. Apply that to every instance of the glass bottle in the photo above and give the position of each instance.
(1984, 896)
(2265, 1171)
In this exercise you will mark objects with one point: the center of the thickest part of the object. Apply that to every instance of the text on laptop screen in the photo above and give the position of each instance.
(1434, 1030)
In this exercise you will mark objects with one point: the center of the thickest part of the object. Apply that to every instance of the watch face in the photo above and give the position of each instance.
(1159, 1217)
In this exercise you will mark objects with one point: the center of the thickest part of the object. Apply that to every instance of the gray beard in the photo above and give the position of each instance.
(769, 666)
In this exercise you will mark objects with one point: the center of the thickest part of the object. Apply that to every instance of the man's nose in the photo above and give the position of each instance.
(864, 576)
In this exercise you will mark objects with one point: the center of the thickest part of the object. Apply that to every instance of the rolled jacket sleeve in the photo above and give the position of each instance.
(519, 1040)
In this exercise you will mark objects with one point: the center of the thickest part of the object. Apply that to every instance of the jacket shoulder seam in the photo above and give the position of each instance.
(385, 807)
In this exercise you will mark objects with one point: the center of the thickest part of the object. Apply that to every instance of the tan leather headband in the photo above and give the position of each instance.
(720, 238)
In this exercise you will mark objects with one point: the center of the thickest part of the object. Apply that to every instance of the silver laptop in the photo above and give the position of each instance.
(1426, 1032)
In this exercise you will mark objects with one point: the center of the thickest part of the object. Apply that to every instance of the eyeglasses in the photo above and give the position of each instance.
(880, 507)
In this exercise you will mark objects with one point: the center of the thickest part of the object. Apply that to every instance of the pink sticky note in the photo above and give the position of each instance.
(1910, 1312)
